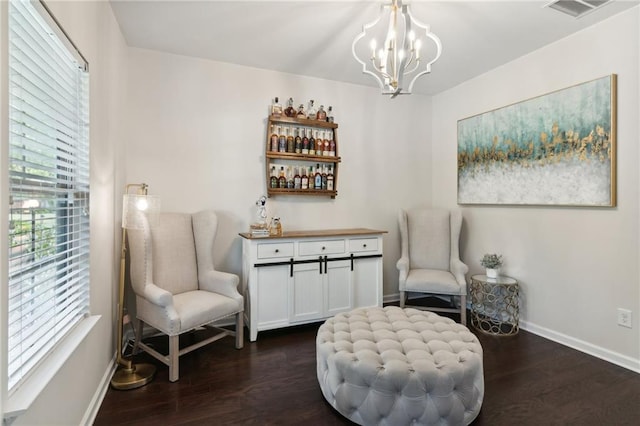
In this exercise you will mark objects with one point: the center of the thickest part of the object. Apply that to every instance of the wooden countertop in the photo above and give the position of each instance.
(347, 232)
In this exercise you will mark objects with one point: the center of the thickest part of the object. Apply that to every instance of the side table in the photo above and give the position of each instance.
(495, 309)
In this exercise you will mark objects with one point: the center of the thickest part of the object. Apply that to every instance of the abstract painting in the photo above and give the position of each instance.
(555, 149)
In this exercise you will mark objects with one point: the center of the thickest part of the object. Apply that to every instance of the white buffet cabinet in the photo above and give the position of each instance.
(307, 276)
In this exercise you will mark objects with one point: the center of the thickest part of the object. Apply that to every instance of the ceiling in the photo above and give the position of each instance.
(313, 38)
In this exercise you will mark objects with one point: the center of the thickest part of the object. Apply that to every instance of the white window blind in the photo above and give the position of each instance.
(49, 188)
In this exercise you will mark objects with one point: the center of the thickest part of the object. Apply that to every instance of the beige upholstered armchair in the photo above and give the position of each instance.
(430, 261)
(176, 285)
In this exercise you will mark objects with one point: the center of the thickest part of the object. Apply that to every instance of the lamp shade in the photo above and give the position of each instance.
(137, 206)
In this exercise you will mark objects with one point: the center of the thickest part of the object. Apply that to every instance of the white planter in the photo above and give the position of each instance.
(492, 273)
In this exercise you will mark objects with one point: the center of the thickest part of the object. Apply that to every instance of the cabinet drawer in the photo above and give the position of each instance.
(314, 248)
(363, 244)
(275, 250)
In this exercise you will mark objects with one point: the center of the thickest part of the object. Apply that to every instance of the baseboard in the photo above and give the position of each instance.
(94, 406)
(582, 346)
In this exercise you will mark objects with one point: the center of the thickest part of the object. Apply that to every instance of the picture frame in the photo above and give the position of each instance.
(556, 149)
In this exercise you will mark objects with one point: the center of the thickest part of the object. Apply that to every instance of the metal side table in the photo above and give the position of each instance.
(495, 309)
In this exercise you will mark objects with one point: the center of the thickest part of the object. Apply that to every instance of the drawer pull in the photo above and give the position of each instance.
(324, 248)
(364, 246)
(277, 250)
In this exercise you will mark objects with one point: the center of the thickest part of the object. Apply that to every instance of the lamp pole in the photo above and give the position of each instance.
(128, 375)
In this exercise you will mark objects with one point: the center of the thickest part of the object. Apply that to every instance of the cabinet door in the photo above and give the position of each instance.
(339, 287)
(307, 299)
(272, 296)
(367, 282)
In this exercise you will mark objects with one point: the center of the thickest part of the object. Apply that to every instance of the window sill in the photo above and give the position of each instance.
(20, 401)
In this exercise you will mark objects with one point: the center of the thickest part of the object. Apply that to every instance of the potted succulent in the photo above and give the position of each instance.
(492, 263)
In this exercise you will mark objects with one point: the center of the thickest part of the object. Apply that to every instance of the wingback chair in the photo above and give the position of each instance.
(430, 257)
(176, 285)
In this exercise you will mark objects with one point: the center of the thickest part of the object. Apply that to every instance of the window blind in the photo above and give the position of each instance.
(49, 189)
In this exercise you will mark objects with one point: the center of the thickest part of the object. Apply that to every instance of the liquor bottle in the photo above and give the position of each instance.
(291, 143)
(282, 180)
(317, 181)
(290, 111)
(304, 179)
(312, 144)
(298, 141)
(332, 144)
(301, 113)
(282, 140)
(290, 183)
(274, 139)
(311, 112)
(321, 115)
(297, 180)
(325, 177)
(273, 180)
(305, 142)
(325, 144)
(276, 108)
(330, 179)
(330, 114)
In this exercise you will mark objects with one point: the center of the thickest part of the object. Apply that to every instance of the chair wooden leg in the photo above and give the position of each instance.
(174, 358)
(402, 299)
(463, 309)
(138, 335)
(239, 330)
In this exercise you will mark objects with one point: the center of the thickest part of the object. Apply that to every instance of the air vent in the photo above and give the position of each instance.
(577, 8)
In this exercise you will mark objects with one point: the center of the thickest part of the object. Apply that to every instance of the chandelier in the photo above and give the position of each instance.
(399, 57)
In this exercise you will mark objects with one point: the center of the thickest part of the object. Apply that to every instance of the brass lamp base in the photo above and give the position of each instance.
(131, 378)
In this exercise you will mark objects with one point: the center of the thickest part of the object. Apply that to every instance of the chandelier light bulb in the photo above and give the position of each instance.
(142, 204)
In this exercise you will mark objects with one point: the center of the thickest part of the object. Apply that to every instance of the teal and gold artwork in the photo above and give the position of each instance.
(555, 149)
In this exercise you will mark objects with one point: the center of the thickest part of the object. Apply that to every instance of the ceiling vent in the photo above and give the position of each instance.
(577, 8)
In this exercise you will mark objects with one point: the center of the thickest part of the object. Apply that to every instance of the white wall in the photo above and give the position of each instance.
(68, 397)
(576, 266)
(198, 132)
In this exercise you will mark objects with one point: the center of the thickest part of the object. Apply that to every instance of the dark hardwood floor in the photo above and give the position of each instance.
(528, 381)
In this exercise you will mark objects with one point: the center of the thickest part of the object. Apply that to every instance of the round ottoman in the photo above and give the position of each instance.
(394, 366)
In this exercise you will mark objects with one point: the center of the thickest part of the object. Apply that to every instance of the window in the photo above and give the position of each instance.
(48, 166)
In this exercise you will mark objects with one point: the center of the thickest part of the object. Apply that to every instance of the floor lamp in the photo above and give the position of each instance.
(135, 208)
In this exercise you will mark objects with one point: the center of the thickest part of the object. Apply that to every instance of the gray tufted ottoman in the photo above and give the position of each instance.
(394, 366)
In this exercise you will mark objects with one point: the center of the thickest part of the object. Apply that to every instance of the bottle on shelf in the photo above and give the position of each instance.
(276, 108)
(274, 139)
(297, 180)
(317, 178)
(311, 112)
(282, 180)
(290, 111)
(273, 179)
(297, 141)
(312, 143)
(332, 144)
(330, 179)
(305, 142)
(325, 177)
(321, 115)
(301, 113)
(304, 179)
(330, 114)
(291, 143)
(325, 144)
(290, 183)
(282, 140)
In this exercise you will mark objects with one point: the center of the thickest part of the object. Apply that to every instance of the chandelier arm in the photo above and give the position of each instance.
(353, 50)
(427, 69)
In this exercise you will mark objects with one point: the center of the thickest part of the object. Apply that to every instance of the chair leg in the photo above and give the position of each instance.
(463, 309)
(239, 330)
(174, 358)
(402, 299)
(138, 335)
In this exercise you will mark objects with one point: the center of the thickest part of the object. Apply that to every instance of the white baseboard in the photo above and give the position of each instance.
(582, 346)
(94, 406)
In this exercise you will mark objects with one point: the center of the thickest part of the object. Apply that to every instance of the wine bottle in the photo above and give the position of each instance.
(273, 180)
(298, 141)
(290, 111)
(312, 144)
(332, 144)
(304, 179)
(301, 113)
(330, 114)
(305, 142)
(325, 177)
(325, 144)
(330, 179)
(282, 140)
(274, 139)
(276, 108)
(297, 181)
(317, 181)
(311, 112)
(282, 180)
(291, 143)
(321, 115)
